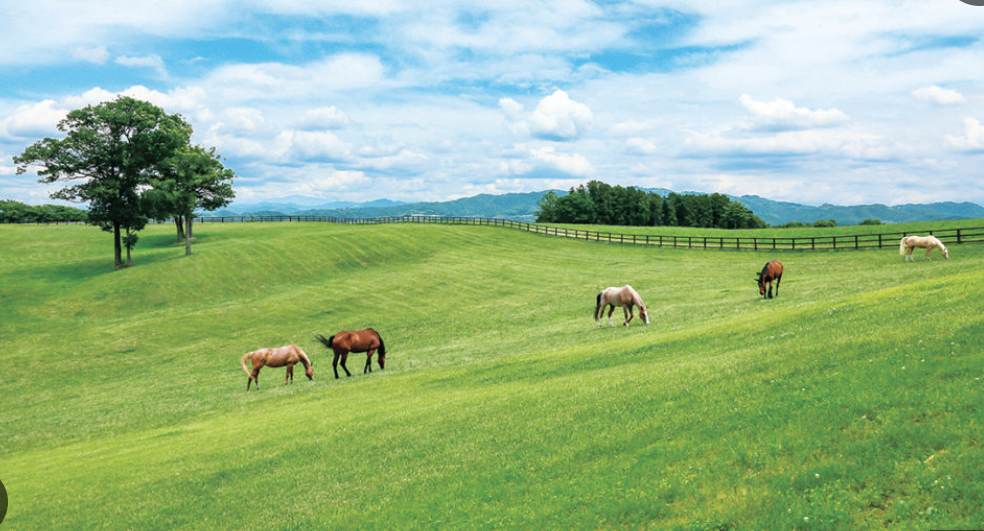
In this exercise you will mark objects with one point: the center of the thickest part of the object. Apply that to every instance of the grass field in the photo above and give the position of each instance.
(851, 401)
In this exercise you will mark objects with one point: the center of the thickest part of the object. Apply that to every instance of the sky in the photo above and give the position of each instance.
(840, 102)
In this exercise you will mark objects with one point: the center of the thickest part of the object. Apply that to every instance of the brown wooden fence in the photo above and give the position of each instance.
(807, 243)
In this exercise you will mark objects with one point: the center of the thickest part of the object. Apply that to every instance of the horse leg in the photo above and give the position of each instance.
(334, 365)
(778, 280)
(770, 289)
(344, 359)
(929, 252)
(611, 310)
(627, 312)
(368, 367)
(290, 374)
(254, 377)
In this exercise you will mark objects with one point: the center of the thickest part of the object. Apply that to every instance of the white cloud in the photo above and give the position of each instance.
(278, 81)
(320, 146)
(98, 54)
(511, 108)
(939, 95)
(244, 118)
(973, 138)
(40, 119)
(640, 146)
(324, 118)
(557, 117)
(147, 61)
(781, 114)
(340, 180)
(572, 164)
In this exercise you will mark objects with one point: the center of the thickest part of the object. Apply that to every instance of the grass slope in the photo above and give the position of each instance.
(850, 401)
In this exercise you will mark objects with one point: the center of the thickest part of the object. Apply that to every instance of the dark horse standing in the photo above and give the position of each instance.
(367, 341)
(771, 271)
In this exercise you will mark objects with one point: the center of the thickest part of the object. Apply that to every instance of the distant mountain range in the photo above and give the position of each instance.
(523, 207)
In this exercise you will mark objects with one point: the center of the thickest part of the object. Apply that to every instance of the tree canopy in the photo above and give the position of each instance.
(599, 203)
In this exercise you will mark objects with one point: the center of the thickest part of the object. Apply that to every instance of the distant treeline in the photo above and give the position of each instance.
(16, 212)
(599, 203)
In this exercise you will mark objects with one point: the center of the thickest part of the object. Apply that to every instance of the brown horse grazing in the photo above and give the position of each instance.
(276, 357)
(367, 341)
(626, 297)
(771, 271)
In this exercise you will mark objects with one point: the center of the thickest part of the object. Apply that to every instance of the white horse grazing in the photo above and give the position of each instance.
(626, 297)
(909, 243)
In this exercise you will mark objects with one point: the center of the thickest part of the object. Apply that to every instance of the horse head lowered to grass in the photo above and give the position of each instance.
(771, 271)
(276, 357)
(625, 297)
(346, 341)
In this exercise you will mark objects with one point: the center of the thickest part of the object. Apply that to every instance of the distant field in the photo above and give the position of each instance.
(851, 401)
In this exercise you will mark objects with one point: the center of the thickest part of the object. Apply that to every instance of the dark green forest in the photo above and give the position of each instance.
(16, 212)
(599, 203)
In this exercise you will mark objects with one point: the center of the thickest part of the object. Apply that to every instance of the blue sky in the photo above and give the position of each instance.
(840, 102)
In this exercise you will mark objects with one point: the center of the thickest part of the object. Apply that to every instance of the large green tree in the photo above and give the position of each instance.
(116, 149)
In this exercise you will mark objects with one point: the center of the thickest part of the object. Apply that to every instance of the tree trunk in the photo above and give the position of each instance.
(178, 223)
(188, 238)
(118, 249)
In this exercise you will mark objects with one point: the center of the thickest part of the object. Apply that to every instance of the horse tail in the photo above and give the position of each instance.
(242, 362)
(902, 247)
(327, 342)
(598, 305)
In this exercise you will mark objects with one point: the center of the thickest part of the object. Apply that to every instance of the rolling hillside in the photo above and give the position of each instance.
(851, 401)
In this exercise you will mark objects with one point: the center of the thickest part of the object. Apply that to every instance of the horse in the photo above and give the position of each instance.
(626, 297)
(908, 244)
(276, 357)
(346, 341)
(771, 271)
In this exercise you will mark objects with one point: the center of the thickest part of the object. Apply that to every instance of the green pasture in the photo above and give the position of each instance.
(851, 401)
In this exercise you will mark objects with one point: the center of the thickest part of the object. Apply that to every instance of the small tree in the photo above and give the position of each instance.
(115, 148)
(196, 179)
(547, 213)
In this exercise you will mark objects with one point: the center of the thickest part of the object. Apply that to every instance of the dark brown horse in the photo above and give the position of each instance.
(367, 341)
(276, 357)
(771, 271)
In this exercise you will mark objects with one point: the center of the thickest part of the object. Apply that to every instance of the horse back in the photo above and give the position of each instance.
(771, 271)
(775, 268)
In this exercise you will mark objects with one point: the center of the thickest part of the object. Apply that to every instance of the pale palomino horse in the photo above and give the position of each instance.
(627, 298)
(908, 244)
(276, 357)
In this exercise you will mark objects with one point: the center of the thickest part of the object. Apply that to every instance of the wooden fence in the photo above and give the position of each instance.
(808, 243)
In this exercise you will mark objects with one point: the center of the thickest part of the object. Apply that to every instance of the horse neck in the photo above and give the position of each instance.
(304, 357)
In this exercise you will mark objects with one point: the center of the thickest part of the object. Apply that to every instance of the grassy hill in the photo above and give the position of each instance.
(851, 401)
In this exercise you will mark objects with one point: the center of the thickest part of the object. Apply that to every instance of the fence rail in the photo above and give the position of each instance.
(807, 243)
